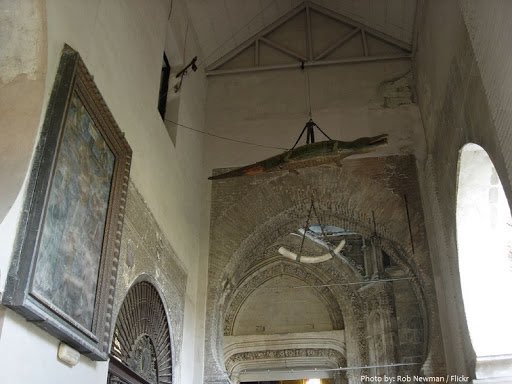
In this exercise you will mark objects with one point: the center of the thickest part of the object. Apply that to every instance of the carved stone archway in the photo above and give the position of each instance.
(280, 268)
(141, 349)
(331, 359)
(270, 207)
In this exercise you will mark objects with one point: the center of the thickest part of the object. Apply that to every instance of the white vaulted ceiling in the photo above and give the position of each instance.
(222, 25)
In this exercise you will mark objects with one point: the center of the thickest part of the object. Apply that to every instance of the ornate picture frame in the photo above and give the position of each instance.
(64, 267)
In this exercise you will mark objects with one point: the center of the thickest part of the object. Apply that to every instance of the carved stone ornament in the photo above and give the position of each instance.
(142, 341)
(336, 357)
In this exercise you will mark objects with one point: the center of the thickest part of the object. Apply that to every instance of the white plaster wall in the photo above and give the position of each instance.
(488, 25)
(269, 108)
(29, 355)
(282, 305)
(122, 43)
(463, 75)
(22, 74)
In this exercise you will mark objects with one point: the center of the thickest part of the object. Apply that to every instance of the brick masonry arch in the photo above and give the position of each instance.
(248, 214)
(279, 267)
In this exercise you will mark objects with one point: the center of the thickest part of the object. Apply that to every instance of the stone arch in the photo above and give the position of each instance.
(23, 61)
(279, 268)
(348, 299)
(271, 206)
(341, 192)
(156, 329)
(341, 272)
(171, 320)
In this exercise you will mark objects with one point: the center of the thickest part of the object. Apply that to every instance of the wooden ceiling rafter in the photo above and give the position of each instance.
(309, 58)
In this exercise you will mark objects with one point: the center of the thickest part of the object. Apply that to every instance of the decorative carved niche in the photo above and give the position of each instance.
(141, 346)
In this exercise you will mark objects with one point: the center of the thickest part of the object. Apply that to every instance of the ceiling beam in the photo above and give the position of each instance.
(351, 60)
(308, 57)
(365, 42)
(372, 31)
(282, 49)
(338, 44)
(257, 53)
(265, 31)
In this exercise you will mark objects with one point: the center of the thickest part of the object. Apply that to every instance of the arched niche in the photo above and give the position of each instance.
(282, 324)
(280, 275)
(484, 242)
(247, 234)
(141, 343)
(283, 304)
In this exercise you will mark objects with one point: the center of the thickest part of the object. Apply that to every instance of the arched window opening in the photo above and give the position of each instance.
(141, 346)
(484, 241)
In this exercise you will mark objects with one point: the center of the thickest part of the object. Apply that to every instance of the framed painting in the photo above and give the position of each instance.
(64, 267)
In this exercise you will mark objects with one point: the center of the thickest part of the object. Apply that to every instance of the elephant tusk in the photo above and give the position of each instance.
(312, 259)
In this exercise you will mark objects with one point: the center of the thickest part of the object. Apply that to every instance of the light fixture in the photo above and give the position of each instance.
(313, 381)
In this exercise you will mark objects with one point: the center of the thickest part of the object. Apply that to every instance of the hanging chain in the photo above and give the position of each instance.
(321, 225)
(312, 209)
(306, 228)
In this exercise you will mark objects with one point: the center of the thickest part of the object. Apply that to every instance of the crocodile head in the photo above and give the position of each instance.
(366, 144)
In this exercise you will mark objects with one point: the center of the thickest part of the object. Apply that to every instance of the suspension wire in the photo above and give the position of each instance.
(319, 222)
(305, 230)
(307, 88)
(354, 283)
(307, 100)
(343, 284)
(306, 80)
(224, 137)
(300, 136)
(321, 130)
(291, 370)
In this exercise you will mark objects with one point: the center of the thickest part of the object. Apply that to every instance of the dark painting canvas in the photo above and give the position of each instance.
(64, 264)
(71, 242)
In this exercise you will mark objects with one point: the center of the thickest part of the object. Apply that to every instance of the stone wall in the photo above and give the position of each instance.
(146, 254)
(462, 72)
(250, 214)
(409, 321)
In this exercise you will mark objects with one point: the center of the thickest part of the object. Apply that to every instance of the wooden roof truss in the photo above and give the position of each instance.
(302, 38)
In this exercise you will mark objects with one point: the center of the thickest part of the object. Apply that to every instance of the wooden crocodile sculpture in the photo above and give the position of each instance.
(308, 155)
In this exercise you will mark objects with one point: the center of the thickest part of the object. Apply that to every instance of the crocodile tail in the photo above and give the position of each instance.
(249, 170)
